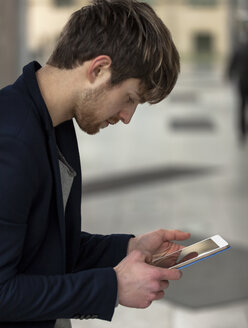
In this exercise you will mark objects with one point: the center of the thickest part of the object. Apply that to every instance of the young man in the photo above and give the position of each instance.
(111, 56)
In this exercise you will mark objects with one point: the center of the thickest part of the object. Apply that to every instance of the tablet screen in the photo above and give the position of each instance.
(187, 253)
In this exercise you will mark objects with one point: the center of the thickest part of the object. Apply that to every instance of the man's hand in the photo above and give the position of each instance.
(140, 283)
(158, 243)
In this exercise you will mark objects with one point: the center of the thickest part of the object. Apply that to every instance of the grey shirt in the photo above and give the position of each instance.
(67, 175)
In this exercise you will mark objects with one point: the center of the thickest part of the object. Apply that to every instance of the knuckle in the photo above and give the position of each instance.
(145, 304)
(160, 295)
(156, 275)
(147, 257)
(165, 284)
(148, 304)
(160, 231)
(155, 286)
(136, 253)
(176, 274)
(152, 297)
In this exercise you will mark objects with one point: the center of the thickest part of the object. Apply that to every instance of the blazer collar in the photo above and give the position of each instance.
(31, 83)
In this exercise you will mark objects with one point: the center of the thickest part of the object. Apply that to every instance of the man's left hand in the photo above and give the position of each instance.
(158, 242)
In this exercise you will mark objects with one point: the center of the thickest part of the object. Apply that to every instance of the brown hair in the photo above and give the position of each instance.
(132, 35)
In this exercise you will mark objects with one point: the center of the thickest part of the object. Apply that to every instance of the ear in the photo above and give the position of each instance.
(99, 68)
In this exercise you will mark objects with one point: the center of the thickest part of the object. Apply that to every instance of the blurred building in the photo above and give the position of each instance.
(200, 27)
(12, 38)
(46, 19)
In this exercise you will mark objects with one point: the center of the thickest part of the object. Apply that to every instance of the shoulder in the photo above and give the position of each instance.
(13, 110)
(18, 117)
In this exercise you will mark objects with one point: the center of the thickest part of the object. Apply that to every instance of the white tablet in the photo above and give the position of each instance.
(191, 254)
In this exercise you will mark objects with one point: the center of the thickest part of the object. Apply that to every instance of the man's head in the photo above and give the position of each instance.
(132, 36)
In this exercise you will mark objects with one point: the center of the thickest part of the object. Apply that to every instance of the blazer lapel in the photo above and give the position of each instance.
(41, 109)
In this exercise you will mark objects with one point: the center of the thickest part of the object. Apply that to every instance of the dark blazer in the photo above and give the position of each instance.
(49, 269)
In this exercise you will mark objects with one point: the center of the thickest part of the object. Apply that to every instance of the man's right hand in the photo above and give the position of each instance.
(140, 283)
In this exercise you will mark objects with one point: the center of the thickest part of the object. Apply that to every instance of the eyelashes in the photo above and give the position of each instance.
(131, 100)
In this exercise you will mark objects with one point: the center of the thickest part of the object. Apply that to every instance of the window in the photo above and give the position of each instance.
(203, 44)
(61, 3)
(206, 3)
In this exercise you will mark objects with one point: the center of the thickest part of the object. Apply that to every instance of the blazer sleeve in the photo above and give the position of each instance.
(97, 251)
(39, 297)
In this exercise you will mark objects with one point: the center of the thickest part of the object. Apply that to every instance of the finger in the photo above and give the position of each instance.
(148, 257)
(164, 284)
(170, 274)
(145, 304)
(159, 295)
(170, 235)
(170, 248)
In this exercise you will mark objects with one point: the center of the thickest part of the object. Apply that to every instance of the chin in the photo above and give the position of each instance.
(91, 130)
(91, 133)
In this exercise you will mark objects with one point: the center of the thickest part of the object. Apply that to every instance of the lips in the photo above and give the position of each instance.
(113, 122)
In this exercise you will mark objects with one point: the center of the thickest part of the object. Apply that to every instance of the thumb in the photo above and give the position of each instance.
(141, 256)
(148, 257)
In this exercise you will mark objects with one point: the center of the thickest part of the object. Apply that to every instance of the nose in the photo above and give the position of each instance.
(127, 114)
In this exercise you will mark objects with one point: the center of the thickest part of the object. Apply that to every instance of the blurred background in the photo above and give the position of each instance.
(180, 164)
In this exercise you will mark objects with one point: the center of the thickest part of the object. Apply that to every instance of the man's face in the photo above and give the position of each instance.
(97, 108)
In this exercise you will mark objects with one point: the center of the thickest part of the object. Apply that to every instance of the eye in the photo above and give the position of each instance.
(130, 100)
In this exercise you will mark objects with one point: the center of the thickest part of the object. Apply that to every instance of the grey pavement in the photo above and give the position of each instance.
(177, 165)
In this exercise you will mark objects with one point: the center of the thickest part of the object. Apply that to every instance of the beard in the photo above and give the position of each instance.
(88, 109)
(87, 125)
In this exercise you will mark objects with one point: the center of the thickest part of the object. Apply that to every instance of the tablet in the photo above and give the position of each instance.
(191, 254)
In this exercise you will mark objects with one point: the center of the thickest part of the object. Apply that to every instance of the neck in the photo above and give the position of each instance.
(56, 89)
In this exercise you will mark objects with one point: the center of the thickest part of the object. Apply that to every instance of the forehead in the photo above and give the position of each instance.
(130, 84)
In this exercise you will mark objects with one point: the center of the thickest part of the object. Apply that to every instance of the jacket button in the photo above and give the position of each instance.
(89, 316)
(94, 316)
(76, 316)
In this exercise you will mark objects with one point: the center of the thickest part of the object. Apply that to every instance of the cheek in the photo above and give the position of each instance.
(115, 108)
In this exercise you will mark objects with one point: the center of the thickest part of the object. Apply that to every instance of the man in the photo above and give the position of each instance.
(238, 68)
(111, 56)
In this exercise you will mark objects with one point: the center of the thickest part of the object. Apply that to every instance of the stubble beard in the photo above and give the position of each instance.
(86, 123)
(88, 108)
